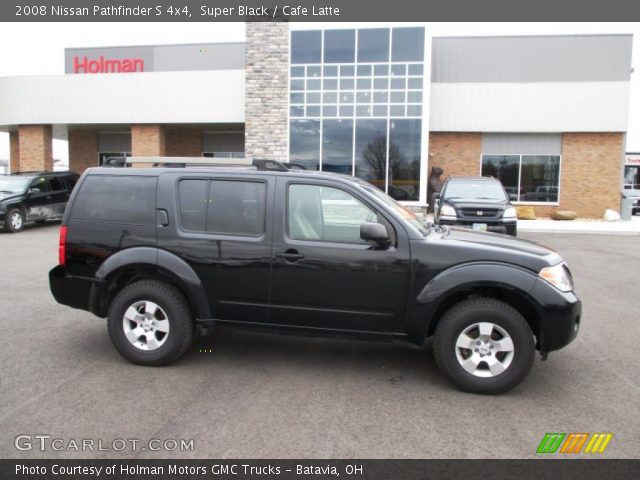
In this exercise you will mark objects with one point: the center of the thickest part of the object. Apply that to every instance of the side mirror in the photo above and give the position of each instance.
(33, 191)
(513, 197)
(374, 232)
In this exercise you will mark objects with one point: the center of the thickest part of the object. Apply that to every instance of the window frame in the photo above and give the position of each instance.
(209, 181)
(520, 155)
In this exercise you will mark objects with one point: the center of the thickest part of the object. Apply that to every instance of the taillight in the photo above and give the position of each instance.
(62, 245)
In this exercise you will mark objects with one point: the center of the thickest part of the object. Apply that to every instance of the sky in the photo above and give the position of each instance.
(38, 48)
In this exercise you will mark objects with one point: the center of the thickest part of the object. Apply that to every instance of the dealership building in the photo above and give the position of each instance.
(547, 115)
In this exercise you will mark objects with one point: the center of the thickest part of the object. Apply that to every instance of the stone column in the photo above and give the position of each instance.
(267, 90)
(35, 151)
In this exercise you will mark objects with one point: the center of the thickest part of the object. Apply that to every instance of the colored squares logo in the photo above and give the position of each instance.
(574, 443)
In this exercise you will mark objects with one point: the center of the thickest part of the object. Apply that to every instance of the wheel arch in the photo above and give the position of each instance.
(506, 283)
(146, 263)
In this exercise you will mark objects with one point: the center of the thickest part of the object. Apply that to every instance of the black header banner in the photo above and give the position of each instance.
(317, 469)
(316, 10)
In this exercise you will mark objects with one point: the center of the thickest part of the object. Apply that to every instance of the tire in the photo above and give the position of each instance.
(14, 220)
(494, 365)
(512, 230)
(132, 329)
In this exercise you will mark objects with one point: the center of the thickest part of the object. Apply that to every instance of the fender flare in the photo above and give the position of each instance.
(157, 259)
(462, 276)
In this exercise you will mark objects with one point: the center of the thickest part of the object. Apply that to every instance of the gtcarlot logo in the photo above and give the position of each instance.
(49, 443)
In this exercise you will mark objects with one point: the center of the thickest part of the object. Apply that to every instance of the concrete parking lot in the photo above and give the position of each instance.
(257, 395)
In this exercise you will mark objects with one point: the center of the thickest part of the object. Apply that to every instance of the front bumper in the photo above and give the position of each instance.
(500, 226)
(559, 314)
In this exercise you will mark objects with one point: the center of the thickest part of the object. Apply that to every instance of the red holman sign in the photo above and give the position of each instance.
(107, 65)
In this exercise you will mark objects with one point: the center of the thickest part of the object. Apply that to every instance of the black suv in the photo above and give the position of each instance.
(34, 196)
(480, 203)
(159, 251)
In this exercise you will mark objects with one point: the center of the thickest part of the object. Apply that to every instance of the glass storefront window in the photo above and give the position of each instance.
(306, 46)
(408, 45)
(304, 143)
(337, 145)
(373, 45)
(360, 88)
(404, 159)
(339, 46)
(371, 151)
(539, 178)
(532, 178)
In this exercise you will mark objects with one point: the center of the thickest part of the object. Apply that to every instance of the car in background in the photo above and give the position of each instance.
(115, 162)
(34, 197)
(542, 193)
(480, 203)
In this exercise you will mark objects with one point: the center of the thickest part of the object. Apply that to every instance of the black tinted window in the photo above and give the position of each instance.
(57, 184)
(41, 183)
(116, 199)
(229, 207)
(192, 195)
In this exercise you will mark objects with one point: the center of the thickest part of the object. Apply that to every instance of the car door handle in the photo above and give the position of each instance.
(290, 255)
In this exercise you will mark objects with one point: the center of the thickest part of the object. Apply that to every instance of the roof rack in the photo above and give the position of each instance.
(259, 164)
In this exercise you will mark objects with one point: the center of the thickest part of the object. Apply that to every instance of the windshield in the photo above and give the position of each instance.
(475, 191)
(404, 212)
(13, 184)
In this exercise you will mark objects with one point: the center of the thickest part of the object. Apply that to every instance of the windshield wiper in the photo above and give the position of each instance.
(6, 191)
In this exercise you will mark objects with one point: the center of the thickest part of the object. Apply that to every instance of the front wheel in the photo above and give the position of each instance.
(14, 221)
(484, 346)
(150, 323)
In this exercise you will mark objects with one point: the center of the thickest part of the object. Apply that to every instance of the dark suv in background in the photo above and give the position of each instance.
(158, 251)
(480, 203)
(34, 196)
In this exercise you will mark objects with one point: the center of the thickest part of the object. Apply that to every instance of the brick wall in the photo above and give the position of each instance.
(147, 141)
(14, 152)
(267, 87)
(183, 142)
(456, 153)
(83, 149)
(590, 173)
(35, 147)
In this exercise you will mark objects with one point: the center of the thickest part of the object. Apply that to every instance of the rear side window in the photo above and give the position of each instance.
(116, 199)
(227, 207)
(57, 184)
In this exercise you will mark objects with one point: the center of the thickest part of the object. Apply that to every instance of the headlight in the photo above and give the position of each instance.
(558, 276)
(510, 212)
(448, 211)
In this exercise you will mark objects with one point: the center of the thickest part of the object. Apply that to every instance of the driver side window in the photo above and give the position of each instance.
(42, 184)
(326, 214)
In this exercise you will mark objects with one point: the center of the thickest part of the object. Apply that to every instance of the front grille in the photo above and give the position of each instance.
(479, 213)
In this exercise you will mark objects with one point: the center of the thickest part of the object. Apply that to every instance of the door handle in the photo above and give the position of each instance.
(162, 217)
(290, 255)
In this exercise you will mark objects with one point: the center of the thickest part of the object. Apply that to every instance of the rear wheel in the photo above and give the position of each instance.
(150, 323)
(14, 221)
(484, 346)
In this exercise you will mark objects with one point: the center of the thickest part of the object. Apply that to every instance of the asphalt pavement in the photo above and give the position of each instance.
(238, 394)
